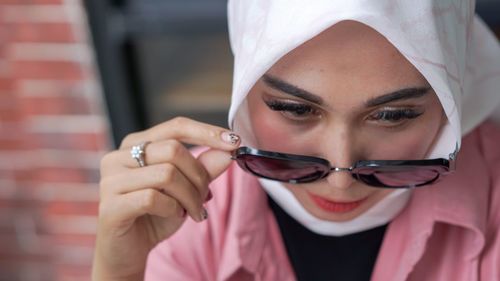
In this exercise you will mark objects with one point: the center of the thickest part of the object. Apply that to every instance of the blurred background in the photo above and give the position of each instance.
(76, 76)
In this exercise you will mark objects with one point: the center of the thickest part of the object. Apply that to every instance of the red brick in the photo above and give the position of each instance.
(28, 2)
(13, 138)
(61, 174)
(54, 105)
(14, 205)
(48, 175)
(73, 272)
(41, 32)
(10, 144)
(8, 130)
(19, 268)
(70, 239)
(9, 242)
(43, 194)
(49, 88)
(6, 86)
(16, 256)
(75, 141)
(55, 255)
(8, 101)
(16, 216)
(47, 70)
(10, 115)
(71, 208)
(7, 175)
(23, 175)
(71, 224)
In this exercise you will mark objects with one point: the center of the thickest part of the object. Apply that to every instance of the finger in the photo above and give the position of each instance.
(215, 162)
(188, 131)
(128, 207)
(170, 151)
(165, 178)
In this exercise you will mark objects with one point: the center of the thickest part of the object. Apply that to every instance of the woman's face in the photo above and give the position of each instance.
(345, 95)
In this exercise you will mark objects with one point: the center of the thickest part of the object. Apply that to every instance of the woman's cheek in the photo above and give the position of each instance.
(409, 144)
(271, 133)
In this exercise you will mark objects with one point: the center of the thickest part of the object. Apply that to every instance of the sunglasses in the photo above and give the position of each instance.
(291, 168)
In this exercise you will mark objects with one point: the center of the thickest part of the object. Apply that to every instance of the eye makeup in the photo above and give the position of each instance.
(295, 108)
(298, 111)
(396, 115)
(291, 109)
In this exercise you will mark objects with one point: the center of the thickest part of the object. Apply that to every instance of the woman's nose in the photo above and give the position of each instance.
(340, 150)
(340, 179)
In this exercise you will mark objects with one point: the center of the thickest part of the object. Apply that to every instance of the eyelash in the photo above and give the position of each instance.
(300, 112)
(395, 116)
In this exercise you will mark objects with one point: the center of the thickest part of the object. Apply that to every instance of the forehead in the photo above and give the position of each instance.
(348, 57)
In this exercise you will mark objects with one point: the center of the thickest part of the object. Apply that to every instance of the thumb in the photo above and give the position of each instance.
(215, 162)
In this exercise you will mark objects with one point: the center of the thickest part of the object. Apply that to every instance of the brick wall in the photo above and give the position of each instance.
(53, 131)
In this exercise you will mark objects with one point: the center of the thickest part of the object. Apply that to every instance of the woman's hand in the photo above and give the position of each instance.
(141, 206)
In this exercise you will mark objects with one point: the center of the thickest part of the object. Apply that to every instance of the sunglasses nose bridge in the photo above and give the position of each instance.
(336, 169)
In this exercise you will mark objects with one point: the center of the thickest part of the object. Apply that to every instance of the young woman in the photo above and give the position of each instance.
(347, 119)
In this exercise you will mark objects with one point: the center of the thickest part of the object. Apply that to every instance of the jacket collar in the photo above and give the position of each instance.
(458, 200)
(461, 199)
(247, 224)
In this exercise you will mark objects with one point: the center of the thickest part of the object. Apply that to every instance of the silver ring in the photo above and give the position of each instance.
(138, 153)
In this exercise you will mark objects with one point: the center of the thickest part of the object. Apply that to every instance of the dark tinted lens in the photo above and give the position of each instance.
(397, 177)
(293, 171)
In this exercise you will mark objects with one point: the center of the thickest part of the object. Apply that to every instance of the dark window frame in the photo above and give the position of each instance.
(115, 24)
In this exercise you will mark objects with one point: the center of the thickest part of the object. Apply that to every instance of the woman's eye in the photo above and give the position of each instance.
(395, 116)
(294, 111)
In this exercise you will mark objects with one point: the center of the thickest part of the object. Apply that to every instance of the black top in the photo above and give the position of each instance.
(319, 257)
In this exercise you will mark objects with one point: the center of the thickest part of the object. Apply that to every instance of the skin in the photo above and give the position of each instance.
(140, 207)
(345, 66)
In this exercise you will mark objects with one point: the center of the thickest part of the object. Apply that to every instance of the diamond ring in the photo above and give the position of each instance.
(138, 152)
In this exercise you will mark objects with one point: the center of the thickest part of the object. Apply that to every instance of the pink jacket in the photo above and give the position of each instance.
(448, 231)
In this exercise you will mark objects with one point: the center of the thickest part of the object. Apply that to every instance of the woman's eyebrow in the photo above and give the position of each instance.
(290, 89)
(398, 95)
(402, 94)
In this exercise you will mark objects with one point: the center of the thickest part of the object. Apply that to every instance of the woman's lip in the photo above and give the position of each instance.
(335, 207)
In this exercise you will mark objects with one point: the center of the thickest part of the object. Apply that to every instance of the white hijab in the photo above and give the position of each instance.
(460, 59)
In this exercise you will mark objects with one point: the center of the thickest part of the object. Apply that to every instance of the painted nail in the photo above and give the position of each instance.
(209, 196)
(230, 138)
(204, 214)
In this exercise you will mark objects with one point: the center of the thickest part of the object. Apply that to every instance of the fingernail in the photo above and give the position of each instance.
(209, 196)
(204, 214)
(230, 137)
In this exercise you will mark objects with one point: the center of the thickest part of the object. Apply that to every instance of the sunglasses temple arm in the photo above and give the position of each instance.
(453, 158)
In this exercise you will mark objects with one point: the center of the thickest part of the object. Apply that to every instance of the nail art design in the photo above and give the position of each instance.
(204, 214)
(234, 138)
(231, 138)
